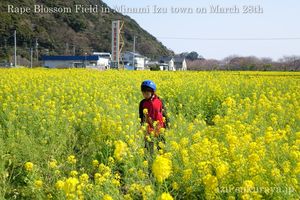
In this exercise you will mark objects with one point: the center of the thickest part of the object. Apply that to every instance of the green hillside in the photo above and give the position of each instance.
(59, 33)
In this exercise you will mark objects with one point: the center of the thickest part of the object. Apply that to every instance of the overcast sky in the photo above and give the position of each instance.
(221, 35)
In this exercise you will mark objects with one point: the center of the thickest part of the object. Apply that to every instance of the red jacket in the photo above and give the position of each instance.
(155, 109)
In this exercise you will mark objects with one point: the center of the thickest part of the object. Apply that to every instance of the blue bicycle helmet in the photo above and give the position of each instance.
(148, 84)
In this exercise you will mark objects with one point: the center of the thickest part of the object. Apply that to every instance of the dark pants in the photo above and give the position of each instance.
(150, 145)
(150, 150)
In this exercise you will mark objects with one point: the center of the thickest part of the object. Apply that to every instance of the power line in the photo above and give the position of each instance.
(229, 39)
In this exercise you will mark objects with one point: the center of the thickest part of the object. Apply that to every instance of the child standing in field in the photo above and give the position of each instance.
(152, 111)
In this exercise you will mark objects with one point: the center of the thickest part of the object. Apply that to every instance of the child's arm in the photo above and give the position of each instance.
(141, 114)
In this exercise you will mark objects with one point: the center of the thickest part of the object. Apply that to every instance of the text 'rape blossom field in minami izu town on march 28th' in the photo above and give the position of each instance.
(76, 134)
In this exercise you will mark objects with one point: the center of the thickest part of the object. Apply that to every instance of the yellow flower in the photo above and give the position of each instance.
(38, 183)
(141, 152)
(256, 117)
(107, 197)
(28, 166)
(141, 174)
(73, 173)
(120, 150)
(148, 138)
(231, 198)
(70, 185)
(49, 196)
(148, 189)
(145, 111)
(248, 184)
(72, 159)
(297, 169)
(187, 173)
(84, 178)
(160, 152)
(230, 102)
(104, 169)
(99, 179)
(165, 196)
(246, 197)
(174, 145)
(222, 170)
(111, 160)
(116, 182)
(53, 164)
(162, 130)
(276, 173)
(197, 136)
(162, 168)
(127, 197)
(210, 182)
(161, 145)
(57, 172)
(145, 163)
(70, 196)
(59, 185)
(175, 186)
(95, 163)
(286, 166)
(89, 187)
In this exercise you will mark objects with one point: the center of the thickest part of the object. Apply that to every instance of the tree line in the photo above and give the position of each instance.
(247, 63)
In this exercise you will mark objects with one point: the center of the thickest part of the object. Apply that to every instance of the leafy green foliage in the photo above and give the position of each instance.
(85, 31)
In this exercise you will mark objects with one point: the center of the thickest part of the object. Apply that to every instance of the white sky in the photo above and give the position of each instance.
(279, 20)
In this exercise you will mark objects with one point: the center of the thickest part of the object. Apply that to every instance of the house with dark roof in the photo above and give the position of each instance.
(166, 64)
(180, 63)
(175, 63)
(87, 61)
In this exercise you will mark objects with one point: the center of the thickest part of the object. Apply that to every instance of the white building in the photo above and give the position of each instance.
(180, 64)
(87, 61)
(173, 63)
(134, 60)
(104, 59)
(167, 64)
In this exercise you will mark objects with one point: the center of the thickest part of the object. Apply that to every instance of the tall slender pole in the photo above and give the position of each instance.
(74, 50)
(37, 50)
(15, 39)
(67, 48)
(134, 44)
(31, 55)
(133, 55)
(85, 59)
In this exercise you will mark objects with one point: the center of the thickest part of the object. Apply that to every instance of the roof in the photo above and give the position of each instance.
(101, 53)
(165, 59)
(94, 57)
(134, 54)
(178, 59)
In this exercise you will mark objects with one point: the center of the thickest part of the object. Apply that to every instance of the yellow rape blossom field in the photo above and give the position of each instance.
(75, 134)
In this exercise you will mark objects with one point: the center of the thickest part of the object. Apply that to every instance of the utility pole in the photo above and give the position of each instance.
(37, 50)
(31, 56)
(134, 37)
(85, 54)
(133, 55)
(15, 39)
(67, 49)
(74, 50)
